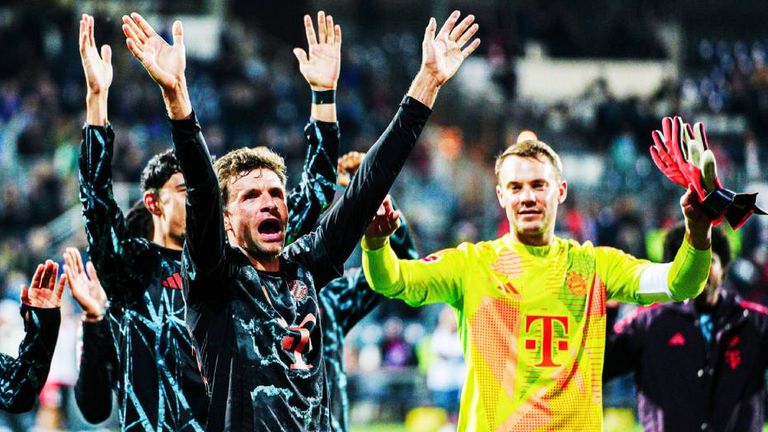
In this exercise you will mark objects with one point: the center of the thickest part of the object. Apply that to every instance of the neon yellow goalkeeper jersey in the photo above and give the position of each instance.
(531, 321)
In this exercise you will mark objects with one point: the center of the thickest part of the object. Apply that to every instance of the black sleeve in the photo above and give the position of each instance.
(98, 363)
(105, 226)
(203, 263)
(22, 378)
(623, 347)
(317, 188)
(325, 250)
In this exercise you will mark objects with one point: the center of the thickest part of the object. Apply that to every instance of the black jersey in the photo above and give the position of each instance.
(158, 382)
(258, 334)
(22, 378)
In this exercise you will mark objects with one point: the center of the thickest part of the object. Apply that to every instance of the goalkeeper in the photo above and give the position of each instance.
(530, 305)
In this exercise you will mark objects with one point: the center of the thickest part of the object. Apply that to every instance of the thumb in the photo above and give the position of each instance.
(301, 55)
(106, 54)
(24, 294)
(178, 33)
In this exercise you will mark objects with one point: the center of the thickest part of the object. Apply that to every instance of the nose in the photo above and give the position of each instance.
(267, 204)
(527, 195)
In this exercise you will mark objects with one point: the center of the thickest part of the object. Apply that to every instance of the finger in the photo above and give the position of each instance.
(134, 49)
(178, 33)
(78, 260)
(91, 38)
(387, 205)
(45, 280)
(445, 30)
(700, 134)
(106, 54)
(337, 35)
(38, 276)
(92, 275)
(657, 159)
(24, 294)
(462, 27)
(467, 35)
(82, 37)
(471, 48)
(146, 29)
(301, 55)
(54, 276)
(309, 30)
(321, 33)
(429, 32)
(138, 34)
(129, 32)
(329, 32)
(60, 288)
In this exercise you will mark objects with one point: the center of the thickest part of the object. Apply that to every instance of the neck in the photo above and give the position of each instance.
(539, 239)
(707, 301)
(268, 263)
(166, 241)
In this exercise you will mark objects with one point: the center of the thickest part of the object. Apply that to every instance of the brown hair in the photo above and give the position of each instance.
(240, 162)
(531, 149)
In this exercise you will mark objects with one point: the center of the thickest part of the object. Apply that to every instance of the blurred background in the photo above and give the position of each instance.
(591, 78)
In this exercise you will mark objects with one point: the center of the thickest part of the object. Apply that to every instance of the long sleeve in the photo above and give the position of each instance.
(343, 225)
(203, 258)
(98, 364)
(315, 192)
(438, 278)
(105, 226)
(22, 378)
(634, 280)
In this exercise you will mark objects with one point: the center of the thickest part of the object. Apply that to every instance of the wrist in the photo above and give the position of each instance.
(698, 235)
(373, 243)
(92, 317)
(176, 101)
(424, 88)
(96, 108)
(323, 97)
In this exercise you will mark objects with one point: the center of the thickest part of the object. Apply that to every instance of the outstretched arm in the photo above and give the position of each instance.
(320, 69)
(343, 225)
(205, 236)
(104, 222)
(22, 378)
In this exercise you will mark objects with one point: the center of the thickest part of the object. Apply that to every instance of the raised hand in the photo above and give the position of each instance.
(321, 67)
(43, 292)
(97, 68)
(347, 166)
(384, 223)
(165, 63)
(85, 289)
(442, 54)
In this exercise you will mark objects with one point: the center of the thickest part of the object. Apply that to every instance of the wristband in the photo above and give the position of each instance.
(323, 97)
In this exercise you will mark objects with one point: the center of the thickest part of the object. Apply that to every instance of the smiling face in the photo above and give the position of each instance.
(530, 190)
(256, 213)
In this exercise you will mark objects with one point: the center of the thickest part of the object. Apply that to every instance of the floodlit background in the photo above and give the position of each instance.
(591, 77)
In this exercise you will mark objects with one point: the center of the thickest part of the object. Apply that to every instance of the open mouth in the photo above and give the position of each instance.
(270, 228)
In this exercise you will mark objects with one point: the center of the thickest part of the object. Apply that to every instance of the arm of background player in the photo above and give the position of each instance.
(638, 281)
(22, 378)
(320, 67)
(318, 179)
(93, 389)
(623, 346)
(351, 296)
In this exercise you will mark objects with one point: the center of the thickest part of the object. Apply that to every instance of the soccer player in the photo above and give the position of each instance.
(699, 365)
(530, 305)
(252, 307)
(158, 381)
(347, 300)
(22, 378)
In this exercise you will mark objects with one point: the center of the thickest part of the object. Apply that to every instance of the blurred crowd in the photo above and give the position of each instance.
(251, 94)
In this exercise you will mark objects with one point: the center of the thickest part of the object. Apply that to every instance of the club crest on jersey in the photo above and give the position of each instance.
(298, 290)
(434, 257)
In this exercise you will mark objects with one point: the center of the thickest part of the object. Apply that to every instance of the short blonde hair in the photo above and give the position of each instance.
(240, 162)
(531, 149)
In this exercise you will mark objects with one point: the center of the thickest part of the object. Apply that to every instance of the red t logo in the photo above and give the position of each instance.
(547, 337)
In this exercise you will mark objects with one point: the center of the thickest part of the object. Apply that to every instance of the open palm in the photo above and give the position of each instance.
(85, 288)
(97, 68)
(322, 66)
(442, 54)
(43, 291)
(165, 63)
